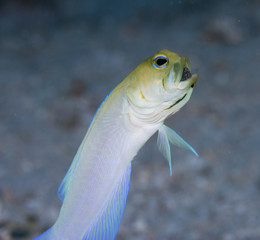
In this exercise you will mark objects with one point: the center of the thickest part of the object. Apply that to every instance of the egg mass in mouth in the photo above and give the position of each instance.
(186, 74)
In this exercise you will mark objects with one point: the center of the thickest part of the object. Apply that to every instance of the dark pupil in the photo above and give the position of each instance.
(161, 61)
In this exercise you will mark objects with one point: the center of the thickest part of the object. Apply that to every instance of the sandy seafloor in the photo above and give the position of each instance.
(55, 70)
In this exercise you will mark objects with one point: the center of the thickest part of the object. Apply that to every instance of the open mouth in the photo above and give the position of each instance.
(186, 74)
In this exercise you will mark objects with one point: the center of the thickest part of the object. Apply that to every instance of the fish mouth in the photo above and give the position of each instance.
(187, 75)
(182, 74)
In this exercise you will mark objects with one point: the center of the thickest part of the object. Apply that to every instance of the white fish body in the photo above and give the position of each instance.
(112, 146)
(94, 191)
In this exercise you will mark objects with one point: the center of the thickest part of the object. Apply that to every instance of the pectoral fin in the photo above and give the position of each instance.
(177, 140)
(164, 146)
(166, 134)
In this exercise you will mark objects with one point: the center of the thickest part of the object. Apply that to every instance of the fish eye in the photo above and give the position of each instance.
(160, 62)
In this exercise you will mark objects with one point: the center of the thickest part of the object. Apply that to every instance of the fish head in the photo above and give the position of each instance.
(160, 86)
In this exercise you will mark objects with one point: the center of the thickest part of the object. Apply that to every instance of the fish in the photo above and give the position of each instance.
(94, 190)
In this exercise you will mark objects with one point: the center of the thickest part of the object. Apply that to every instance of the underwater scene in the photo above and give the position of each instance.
(59, 60)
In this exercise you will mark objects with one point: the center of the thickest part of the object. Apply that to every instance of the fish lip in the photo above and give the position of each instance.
(192, 81)
(189, 83)
(194, 78)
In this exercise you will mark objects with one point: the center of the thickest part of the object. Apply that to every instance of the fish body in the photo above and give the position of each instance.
(95, 189)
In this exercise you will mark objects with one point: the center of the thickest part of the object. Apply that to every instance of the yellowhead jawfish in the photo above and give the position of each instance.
(95, 188)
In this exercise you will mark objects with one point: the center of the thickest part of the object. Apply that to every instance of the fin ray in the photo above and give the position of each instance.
(69, 175)
(164, 146)
(166, 135)
(177, 140)
(67, 179)
(107, 223)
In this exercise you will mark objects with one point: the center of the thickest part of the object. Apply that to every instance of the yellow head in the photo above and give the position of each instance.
(159, 87)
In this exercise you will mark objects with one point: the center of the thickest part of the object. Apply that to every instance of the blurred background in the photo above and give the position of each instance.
(58, 61)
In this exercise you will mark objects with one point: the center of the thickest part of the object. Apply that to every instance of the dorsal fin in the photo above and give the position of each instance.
(69, 175)
(166, 134)
(67, 179)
